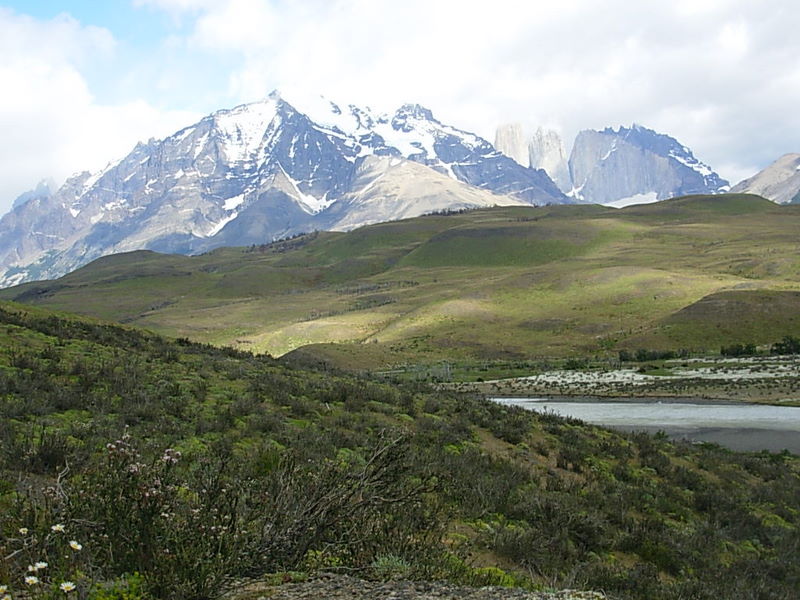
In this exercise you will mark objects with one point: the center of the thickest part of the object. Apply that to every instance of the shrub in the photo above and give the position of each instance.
(788, 345)
(738, 350)
(188, 527)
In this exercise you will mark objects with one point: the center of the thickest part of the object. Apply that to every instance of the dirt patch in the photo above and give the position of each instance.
(341, 587)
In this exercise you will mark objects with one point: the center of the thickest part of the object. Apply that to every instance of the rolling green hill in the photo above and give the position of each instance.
(499, 283)
(141, 468)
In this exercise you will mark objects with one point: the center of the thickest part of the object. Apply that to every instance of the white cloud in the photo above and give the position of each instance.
(52, 126)
(699, 70)
(176, 7)
(722, 76)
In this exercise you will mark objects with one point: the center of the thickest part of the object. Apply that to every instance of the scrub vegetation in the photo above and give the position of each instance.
(132, 466)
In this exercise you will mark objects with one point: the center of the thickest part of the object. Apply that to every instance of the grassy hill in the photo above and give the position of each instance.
(137, 467)
(504, 283)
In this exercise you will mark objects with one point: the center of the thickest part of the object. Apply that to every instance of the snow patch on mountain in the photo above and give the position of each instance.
(243, 128)
(647, 198)
(686, 159)
(218, 226)
(234, 202)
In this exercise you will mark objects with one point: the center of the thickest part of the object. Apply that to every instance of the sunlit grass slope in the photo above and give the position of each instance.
(497, 283)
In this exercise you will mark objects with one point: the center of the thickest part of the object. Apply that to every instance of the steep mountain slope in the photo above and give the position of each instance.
(542, 149)
(511, 140)
(546, 151)
(258, 172)
(515, 282)
(637, 164)
(780, 181)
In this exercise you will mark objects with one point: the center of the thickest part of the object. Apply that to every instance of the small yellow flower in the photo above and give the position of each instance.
(58, 528)
(67, 587)
(75, 545)
(31, 580)
(23, 531)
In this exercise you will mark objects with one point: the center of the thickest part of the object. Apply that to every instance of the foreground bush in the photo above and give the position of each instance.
(283, 467)
(187, 528)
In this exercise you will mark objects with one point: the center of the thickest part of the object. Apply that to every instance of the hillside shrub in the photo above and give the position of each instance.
(734, 350)
(788, 345)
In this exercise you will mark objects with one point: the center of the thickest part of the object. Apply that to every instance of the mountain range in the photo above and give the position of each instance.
(284, 166)
(614, 167)
(260, 172)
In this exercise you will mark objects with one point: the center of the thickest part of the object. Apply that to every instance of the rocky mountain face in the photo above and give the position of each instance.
(512, 140)
(43, 189)
(546, 151)
(779, 182)
(613, 167)
(543, 149)
(259, 172)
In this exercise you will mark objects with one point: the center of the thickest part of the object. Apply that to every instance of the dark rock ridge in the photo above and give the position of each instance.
(259, 172)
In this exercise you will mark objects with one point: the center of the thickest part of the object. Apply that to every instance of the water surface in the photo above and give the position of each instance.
(737, 426)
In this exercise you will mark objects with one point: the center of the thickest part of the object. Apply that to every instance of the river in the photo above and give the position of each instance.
(736, 426)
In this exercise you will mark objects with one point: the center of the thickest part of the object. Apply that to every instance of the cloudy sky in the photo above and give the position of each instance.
(84, 80)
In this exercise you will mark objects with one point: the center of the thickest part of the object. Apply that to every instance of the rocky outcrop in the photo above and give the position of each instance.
(611, 166)
(43, 190)
(511, 140)
(779, 182)
(543, 149)
(546, 151)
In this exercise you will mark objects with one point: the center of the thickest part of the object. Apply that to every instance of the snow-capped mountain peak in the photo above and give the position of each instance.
(259, 171)
(407, 114)
(241, 129)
